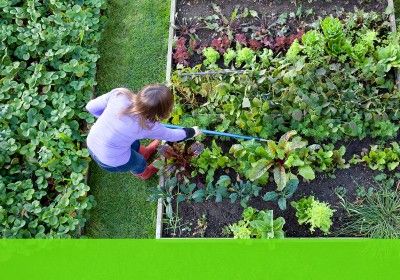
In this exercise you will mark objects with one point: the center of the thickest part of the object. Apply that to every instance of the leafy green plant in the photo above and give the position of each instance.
(253, 118)
(211, 57)
(314, 44)
(294, 50)
(229, 56)
(243, 191)
(379, 158)
(327, 95)
(246, 56)
(258, 224)
(325, 158)
(336, 41)
(378, 215)
(210, 160)
(283, 195)
(256, 160)
(314, 213)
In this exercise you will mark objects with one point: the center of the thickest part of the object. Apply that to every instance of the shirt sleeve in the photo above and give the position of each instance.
(159, 131)
(96, 106)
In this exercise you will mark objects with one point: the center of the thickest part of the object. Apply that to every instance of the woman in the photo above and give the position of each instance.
(124, 118)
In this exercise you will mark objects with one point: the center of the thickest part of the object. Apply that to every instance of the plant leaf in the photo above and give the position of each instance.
(286, 137)
(282, 203)
(270, 196)
(280, 177)
(307, 172)
(258, 169)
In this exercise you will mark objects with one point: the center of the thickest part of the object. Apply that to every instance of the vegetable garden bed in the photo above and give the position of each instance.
(321, 90)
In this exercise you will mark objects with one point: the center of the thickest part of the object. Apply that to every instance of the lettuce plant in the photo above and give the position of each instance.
(258, 224)
(314, 44)
(314, 213)
(211, 57)
(293, 51)
(246, 56)
(336, 42)
(229, 56)
(380, 158)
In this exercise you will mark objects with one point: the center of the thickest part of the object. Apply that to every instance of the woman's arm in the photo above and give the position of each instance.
(158, 131)
(96, 106)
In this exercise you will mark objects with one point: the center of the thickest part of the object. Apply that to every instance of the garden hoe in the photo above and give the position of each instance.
(216, 133)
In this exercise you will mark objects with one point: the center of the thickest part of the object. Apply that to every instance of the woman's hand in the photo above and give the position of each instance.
(197, 131)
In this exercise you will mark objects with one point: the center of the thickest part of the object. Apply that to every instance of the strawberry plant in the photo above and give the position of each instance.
(48, 53)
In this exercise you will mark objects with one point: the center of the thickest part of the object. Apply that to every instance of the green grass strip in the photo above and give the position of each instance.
(133, 53)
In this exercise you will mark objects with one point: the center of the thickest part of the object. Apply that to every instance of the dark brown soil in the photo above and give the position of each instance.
(196, 8)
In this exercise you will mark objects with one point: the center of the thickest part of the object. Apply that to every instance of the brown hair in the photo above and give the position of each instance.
(151, 104)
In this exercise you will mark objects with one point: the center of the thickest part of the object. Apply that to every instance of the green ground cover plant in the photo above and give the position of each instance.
(48, 56)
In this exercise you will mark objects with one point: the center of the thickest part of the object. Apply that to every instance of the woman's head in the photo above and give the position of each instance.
(153, 103)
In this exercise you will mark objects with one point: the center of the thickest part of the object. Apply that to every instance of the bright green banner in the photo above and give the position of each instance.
(200, 259)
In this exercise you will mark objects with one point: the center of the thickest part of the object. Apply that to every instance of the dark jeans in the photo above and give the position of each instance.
(136, 164)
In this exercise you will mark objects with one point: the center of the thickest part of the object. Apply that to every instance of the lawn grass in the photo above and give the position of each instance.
(133, 53)
(397, 9)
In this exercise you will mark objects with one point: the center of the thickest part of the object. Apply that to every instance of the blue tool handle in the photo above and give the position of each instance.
(211, 132)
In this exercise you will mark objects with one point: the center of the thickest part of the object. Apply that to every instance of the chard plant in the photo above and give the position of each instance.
(287, 158)
(177, 158)
(257, 159)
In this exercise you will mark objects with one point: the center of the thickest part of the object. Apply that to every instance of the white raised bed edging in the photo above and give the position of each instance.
(171, 34)
(160, 206)
(392, 20)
